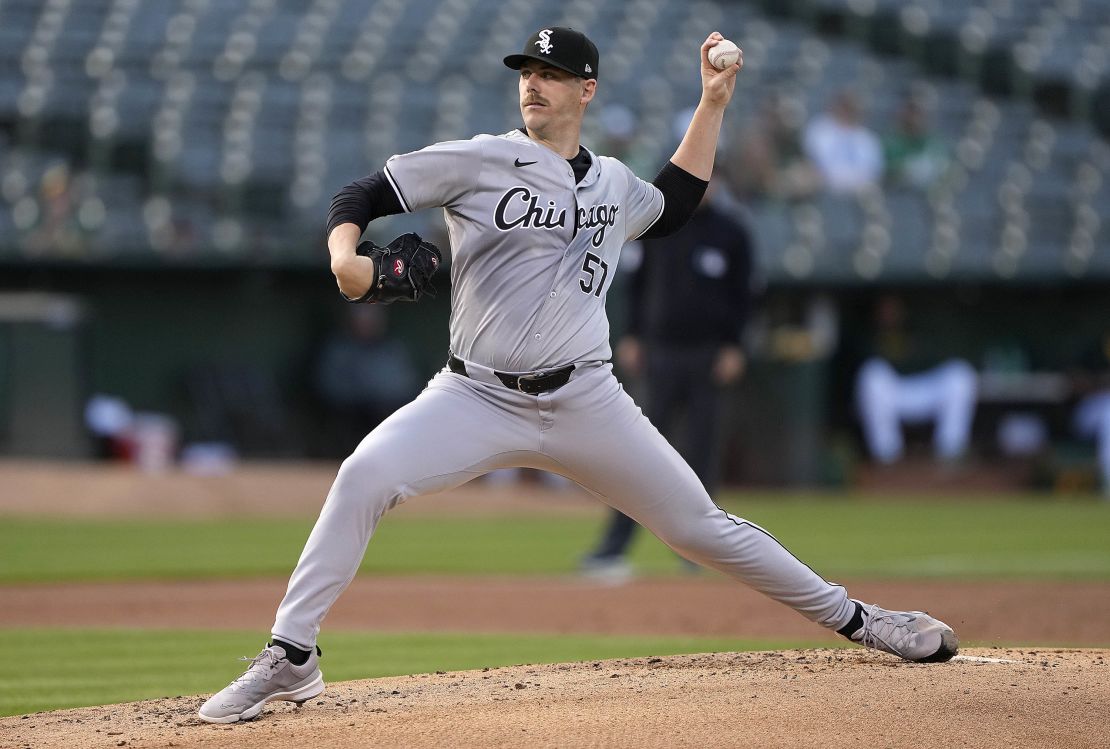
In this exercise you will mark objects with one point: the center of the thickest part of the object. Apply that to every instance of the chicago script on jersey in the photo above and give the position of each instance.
(519, 207)
(603, 215)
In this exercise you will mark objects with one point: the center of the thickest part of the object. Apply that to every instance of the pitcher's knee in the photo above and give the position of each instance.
(364, 478)
(690, 542)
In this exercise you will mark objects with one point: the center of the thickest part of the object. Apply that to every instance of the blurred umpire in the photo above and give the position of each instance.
(690, 299)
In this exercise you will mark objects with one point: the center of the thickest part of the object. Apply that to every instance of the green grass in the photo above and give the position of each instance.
(839, 537)
(73, 668)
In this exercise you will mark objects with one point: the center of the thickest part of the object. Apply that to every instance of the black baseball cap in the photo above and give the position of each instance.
(564, 48)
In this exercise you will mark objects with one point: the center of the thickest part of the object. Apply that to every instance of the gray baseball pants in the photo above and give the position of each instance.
(590, 431)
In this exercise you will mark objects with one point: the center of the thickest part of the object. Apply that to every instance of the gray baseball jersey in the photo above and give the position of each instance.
(532, 251)
(532, 257)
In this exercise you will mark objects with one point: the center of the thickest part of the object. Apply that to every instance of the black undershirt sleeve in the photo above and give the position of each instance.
(362, 201)
(682, 192)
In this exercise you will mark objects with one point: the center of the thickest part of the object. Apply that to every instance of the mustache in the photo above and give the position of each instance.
(534, 100)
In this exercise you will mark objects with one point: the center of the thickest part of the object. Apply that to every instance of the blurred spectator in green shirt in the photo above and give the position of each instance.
(914, 157)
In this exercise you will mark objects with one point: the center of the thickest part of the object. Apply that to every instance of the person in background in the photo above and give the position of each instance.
(848, 155)
(915, 158)
(364, 375)
(58, 230)
(689, 300)
(899, 385)
(110, 420)
(767, 162)
(1091, 418)
(620, 138)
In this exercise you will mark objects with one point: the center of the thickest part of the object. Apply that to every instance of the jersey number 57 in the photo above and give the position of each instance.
(589, 265)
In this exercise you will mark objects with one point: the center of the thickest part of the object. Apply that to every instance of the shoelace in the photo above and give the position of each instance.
(887, 631)
(250, 675)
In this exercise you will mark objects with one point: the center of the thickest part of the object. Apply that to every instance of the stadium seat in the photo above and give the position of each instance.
(245, 114)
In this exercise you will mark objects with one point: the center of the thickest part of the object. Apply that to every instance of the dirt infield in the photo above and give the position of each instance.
(989, 697)
(815, 698)
(991, 614)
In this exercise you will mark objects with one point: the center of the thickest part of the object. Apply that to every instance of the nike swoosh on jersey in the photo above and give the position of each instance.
(518, 162)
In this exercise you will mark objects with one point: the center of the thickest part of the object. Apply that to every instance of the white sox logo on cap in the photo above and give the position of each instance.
(574, 53)
(544, 42)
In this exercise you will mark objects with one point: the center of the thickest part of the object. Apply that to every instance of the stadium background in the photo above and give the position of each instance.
(166, 168)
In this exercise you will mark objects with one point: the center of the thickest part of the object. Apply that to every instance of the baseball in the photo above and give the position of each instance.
(724, 54)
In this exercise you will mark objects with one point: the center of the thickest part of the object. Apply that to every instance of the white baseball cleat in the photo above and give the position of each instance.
(271, 676)
(913, 635)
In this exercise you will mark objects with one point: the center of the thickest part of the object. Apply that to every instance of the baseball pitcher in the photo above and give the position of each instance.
(536, 224)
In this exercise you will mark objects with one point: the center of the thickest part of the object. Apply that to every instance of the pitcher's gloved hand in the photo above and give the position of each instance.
(403, 270)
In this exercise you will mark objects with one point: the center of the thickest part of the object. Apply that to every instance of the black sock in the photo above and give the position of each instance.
(295, 655)
(854, 623)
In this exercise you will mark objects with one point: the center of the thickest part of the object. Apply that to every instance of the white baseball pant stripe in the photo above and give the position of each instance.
(590, 431)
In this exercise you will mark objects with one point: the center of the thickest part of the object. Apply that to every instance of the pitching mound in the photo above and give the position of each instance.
(807, 698)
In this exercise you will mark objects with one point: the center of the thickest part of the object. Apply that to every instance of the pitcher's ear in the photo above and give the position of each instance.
(589, 88)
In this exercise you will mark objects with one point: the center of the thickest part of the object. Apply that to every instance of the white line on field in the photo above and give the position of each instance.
(980, 659)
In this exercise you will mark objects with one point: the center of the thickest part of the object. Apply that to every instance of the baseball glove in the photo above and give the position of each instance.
(403, 270)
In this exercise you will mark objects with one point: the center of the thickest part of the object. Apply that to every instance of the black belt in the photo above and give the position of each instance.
(532, 384)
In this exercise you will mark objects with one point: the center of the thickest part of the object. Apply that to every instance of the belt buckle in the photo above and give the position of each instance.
(532, 377)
